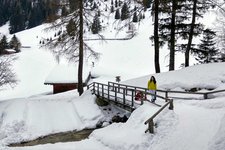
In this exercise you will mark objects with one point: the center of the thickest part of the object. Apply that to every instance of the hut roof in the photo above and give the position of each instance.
(65, 74)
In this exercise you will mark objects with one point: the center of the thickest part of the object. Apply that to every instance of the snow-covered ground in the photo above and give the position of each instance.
(193, 124)
(27, 113)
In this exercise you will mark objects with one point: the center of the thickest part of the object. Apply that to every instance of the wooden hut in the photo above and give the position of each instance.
(65, 78)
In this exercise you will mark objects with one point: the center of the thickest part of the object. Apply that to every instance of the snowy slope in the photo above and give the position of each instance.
(208, 76)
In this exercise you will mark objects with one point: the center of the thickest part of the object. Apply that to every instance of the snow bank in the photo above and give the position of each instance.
(27, 119)
(219, 139)
(200, 76)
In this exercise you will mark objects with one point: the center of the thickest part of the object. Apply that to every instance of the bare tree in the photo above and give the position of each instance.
(7, 76)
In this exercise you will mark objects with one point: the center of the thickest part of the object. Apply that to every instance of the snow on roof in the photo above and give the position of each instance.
(65, 74)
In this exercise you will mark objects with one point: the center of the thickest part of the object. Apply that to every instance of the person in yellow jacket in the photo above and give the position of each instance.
(152, 87)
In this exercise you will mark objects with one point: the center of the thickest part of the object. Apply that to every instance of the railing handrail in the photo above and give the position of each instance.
(153, 116)
(205, 94)
(137, 89)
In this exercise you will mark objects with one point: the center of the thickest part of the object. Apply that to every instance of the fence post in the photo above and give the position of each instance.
(166, 96)
(205, 95)
(132, 98)
(94, 88)
(102, 91)
(124, 96)
(108, 90)
(151, 126)
(171, 104)
(98, 89)
(115, 94)
(118, 88)
(126, 90)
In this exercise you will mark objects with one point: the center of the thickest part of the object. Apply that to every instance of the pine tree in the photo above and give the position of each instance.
(207, 52)
(17, 20)
(112, 9)
(194, 29)
(3, 44)
(116, 3)
(96, 25)
(147, 3)
(174, 24)
(124, 11)
(135, 18)
(15, 43)
(117, 14)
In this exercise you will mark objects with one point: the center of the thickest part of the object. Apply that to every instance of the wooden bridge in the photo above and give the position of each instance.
(124, 96)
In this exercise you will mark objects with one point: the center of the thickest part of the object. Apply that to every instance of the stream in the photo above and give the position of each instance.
(57, 137)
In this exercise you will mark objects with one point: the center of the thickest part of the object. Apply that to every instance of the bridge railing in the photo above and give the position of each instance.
(150, 121)
(205, 95)
(135, 89)
(114, 94)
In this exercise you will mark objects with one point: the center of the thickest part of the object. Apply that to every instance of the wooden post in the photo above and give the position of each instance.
(108, 90)
(94, 88)
(205, 95)
(132, 98)
(124, 96)
(115, 94)
(166, 96)
(151, 126)
(171, 104)
(102, 91)
(113, 87)
(126, 90)
(98, 88)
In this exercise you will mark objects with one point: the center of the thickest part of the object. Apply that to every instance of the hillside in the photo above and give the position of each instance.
(127, 58)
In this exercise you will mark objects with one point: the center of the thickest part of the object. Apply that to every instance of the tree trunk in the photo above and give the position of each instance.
(80, 65)
(172, 40)
(187, 53)
(156, 36)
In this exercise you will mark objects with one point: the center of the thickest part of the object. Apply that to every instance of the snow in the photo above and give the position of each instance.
(193, 124)
(25, 119)
(28, 112)
(69, 72)
(198, 76)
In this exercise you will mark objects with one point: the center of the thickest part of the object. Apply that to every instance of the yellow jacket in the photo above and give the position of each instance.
(151, 85)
